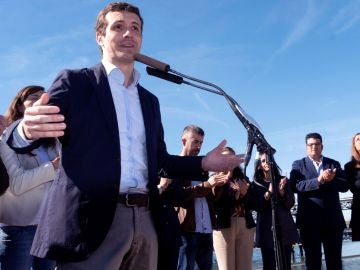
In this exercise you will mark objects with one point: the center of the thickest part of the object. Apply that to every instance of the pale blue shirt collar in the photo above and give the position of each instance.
(318, 166)
(109, 67)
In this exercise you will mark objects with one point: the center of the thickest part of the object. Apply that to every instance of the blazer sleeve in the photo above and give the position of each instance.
(298, 179)
(22, 180)
(201, 190)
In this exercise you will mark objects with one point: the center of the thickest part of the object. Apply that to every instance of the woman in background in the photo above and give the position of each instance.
(264, 234)
(352, 170)
(233, 233)
(30, 175)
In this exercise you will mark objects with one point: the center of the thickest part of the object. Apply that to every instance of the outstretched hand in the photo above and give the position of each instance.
(217, 162)
(42, 120)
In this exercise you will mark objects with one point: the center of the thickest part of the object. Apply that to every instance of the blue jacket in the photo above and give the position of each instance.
(82, 200)
(318, 205)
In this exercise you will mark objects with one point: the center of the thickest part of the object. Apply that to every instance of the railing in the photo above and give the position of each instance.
(345, 205)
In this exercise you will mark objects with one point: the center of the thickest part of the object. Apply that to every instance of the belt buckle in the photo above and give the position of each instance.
(127, 201)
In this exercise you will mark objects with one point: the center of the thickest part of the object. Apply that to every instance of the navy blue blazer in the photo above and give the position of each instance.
(318, 205)
(82, 200)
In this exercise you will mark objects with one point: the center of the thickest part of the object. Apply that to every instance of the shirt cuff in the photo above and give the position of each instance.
(20, 139)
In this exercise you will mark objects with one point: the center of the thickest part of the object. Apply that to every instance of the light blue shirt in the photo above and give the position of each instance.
(202, 214)
(134, 167)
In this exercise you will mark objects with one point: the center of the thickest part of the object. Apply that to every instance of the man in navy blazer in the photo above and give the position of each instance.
(97, 212)
(317, 180)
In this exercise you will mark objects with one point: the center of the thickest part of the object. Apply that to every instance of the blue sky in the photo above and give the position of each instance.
(292, 65)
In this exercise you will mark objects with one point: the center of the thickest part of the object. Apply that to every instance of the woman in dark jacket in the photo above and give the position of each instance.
(233, 233)
(285, 200)
(352, 170)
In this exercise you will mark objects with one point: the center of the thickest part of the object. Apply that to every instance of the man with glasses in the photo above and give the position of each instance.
(317, 180)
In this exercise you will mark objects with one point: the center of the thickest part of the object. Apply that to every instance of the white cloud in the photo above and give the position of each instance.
(347, 17)
(302, 27)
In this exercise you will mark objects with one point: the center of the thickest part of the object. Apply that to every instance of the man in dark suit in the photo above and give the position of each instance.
(317, 180)
(97, 212)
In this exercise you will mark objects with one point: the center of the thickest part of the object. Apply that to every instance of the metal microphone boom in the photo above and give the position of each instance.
(162, 70)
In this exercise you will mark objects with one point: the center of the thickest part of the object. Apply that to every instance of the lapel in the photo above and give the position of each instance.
(310, 168)
(326, 163)
(101, 87)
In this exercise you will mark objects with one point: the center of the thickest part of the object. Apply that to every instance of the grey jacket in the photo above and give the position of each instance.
(29, 179)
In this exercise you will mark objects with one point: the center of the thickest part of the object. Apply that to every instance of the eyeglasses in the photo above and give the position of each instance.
(313, 144)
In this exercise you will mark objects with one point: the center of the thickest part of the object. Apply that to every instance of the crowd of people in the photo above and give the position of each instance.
(87, 182)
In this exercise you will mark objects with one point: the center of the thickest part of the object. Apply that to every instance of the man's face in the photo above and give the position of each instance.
(314, 148)
(192, 143)
(122, 40)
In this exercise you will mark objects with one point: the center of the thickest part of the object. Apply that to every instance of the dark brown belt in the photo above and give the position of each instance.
(134, 199)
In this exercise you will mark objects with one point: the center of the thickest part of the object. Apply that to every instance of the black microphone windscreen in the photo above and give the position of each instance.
(164, 75)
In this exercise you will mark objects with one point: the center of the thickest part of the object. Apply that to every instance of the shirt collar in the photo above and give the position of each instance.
(109, 67)
(315, 162)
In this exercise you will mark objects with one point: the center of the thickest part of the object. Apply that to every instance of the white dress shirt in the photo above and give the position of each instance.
(134, 167)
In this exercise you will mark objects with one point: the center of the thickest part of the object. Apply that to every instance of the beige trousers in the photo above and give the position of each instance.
(234, 246)
(131, 244)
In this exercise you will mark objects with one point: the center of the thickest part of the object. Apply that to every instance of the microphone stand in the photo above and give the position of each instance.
(255, 137)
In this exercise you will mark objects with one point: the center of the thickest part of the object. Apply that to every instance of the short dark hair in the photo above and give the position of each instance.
(313, 135)
(101, 22)
(194, 129)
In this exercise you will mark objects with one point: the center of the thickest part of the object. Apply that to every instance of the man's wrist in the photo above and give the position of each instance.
(21, 132)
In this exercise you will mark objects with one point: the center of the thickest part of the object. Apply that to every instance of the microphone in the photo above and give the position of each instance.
(152, 62)
(163, 71)
(165, 76)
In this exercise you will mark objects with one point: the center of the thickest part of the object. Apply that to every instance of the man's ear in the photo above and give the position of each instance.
(99, 39)
(183, 141)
